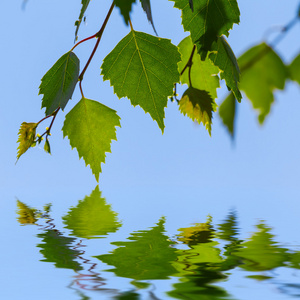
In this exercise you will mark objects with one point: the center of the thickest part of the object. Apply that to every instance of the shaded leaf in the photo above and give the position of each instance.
(144, 69)
(26, 215)
(294, 69)
(147, 255)
(125, 7)
(59, 82)
(26, 137)
(262, 72)
(198, 105)
(92, 217)
(57, 248)
(223, 57)
(90, 127)
(208, 20)
(227, 112)
(85, 4)
(203, 73)
(147, 8)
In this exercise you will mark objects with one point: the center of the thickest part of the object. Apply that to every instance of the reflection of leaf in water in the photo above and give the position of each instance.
(26, 214)
(228, 230)
(198, 286)
(57, 249)
(147, 256)
(261, 252)
(128, 295)
(92, 217)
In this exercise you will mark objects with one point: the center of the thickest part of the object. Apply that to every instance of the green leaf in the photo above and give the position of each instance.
(198, 105)
(227, 113)
(223, 57)
(47, 146)
(146, 256)
(59, 82)
(57, 248)
(90, 127)
(203, 73)
(294, 69)
(85, 4)
(208, 20)
(144, 69)
(26, 137)
(147, 8)
(92, 217)
(26, 215)
(125, 8)
(262, 72)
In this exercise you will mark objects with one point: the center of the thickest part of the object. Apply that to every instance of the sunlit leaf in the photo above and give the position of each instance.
(261, 252)
(90, 127)
(203, 73)
(59, 82)
(223, 57)
(227, 112)
(92, 217)
(57, 248)
(262, 72)
(26, 215)
(144, 69)
(208, 20)
(147, 8)
(198, 105)
(84, 4)
(47, 146)
(26, 137)
(147, 255)
(294, 69)
(125, 7)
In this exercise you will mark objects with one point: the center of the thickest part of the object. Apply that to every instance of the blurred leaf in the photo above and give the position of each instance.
(294, 69)
(47, 146)
(90, 127)
(92, 217)
(26, 214)
(147, 8)
(57, 249)
(223, 57)
(261, 253)
(125, 7)
(59, 82)
(26, 137)
(227, 112)
(144, 69)
(262, 72)
(146, 256)
(203, 73)
(85, 4)
(198, 105)
(228, 230)
(208, 20)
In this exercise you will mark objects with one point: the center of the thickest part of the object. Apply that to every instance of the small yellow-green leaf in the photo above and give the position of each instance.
(90, 127)
(26, 137)
(26, 215)
(198, 105)
(47, 146)
(227, 113)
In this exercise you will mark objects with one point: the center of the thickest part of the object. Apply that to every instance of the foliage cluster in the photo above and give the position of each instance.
(146, 69)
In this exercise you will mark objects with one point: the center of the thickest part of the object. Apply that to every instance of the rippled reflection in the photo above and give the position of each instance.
(199, 257)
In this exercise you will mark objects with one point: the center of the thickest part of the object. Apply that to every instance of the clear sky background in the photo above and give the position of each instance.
(183, 174)
(263, 162)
